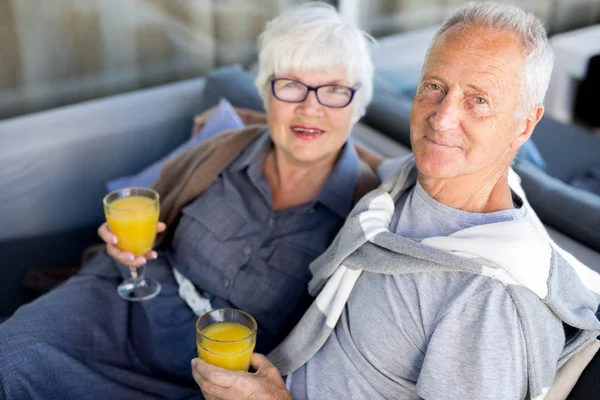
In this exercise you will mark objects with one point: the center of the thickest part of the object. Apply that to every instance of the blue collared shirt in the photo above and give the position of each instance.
(232, 244)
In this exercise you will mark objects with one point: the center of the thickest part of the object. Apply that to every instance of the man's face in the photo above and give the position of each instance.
(463, 119)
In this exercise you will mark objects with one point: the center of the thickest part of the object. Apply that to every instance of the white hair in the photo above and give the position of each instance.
(539, 57)
(314, 38)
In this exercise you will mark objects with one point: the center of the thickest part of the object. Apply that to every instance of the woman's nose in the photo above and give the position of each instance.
(311, 105)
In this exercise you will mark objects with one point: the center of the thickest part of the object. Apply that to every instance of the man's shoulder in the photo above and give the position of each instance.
(438, 290)
(444, 292)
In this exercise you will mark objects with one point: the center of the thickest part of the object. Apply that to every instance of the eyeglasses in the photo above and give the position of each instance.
(293, 91)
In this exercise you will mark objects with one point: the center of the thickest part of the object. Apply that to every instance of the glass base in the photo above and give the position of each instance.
(139, 290)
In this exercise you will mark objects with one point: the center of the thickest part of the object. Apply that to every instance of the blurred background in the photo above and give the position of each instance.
(58, 52)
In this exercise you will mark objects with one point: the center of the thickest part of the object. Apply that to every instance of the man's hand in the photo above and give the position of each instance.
(221, 384)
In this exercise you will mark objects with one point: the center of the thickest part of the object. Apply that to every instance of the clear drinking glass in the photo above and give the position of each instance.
(132, 215)
(226, 338)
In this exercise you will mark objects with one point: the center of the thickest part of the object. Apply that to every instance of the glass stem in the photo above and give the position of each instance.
(138, 273)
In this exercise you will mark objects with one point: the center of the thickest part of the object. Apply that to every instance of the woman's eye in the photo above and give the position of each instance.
(340, 90)
(291, 85)
(480, 100)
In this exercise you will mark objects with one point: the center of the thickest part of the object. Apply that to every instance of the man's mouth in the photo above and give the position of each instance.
(439, 143)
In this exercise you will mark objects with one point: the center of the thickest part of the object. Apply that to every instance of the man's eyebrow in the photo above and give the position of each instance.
(437, 78)
(478, 89)
(470, 85)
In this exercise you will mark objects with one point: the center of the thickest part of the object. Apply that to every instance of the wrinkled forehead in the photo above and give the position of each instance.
(477, 48)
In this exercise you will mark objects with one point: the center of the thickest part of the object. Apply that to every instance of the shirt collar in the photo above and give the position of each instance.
(339, 190)
(254, 155)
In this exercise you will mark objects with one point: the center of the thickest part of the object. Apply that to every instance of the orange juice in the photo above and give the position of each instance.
(133, 219)
(227, 345)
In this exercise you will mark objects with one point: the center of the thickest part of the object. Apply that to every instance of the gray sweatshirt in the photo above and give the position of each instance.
(474, 312)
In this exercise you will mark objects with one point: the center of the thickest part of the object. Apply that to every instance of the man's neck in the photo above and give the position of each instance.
(468, 193)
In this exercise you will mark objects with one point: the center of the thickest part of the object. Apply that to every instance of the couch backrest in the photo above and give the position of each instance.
(54, 164)
(568, 149)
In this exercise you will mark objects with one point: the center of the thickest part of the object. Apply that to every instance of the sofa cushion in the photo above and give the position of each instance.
(572, 211)
(397, 81)
(589, 180)
(530, 153)
(233, 83)
(220, 119)
(389, 113)
(568, 374)
(568, 149)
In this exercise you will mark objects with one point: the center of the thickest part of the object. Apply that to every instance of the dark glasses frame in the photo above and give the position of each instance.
(312, 88)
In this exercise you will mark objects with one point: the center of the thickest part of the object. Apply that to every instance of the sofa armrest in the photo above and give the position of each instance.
(570, 210)
(54, 164)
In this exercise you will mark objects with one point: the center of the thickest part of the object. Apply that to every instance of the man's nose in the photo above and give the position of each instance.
(311, 106)
(448, 114)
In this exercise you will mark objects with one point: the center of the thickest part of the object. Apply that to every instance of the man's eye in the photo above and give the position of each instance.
(433, 86)
(480, 100)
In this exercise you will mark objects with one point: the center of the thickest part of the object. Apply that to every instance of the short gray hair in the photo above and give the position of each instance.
(314, 38)
(539, 57)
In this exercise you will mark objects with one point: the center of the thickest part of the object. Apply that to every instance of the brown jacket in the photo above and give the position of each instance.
(185, 177)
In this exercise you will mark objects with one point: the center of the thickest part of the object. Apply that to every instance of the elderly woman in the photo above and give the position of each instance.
(247, 212)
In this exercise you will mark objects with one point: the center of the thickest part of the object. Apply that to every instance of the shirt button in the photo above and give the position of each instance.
(247, 250)
(271, 221)
(226, 283)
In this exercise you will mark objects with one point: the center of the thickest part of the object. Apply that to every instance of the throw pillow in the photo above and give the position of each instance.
(233, 83)
(530, 153)
(222, 118)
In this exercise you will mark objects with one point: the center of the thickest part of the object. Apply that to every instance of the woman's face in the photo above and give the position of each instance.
(309, 132)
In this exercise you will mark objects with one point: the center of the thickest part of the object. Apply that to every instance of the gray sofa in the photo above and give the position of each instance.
(55, 164)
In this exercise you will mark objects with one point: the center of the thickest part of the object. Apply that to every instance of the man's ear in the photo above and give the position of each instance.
(527, 126)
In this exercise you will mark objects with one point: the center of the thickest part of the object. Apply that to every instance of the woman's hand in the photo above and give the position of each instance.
(126, 257)
(221, 384)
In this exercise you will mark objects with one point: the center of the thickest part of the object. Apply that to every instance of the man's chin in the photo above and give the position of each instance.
(437, 169)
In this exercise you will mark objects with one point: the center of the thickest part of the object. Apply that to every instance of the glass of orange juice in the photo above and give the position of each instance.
(226, 338)
(132, 215)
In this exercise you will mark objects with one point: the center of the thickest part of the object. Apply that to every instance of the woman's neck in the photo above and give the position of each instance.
(293, 183)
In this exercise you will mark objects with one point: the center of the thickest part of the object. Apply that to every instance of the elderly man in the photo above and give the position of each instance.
(442, 283)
